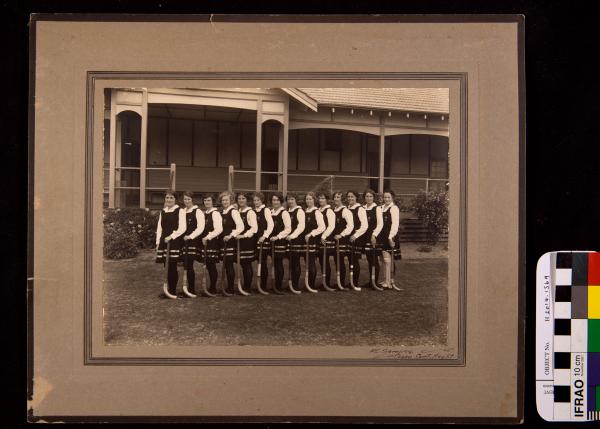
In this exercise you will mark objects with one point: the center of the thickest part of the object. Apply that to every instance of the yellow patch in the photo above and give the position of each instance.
(593, 302)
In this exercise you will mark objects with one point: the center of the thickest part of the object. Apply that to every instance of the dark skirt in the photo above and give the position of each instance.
(313, 246)
(266, 248)
(357, 246)
(298, 245)
(174, 250)
(369, 250)
(190, 251)
(247, 249)
(281, 247)
(331, 246)
(229, 250)
(385, 246)
(213, 250)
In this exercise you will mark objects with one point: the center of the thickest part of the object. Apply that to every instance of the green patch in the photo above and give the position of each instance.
(593, 335)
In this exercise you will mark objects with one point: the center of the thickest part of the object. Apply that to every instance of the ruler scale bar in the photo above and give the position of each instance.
(568, 336)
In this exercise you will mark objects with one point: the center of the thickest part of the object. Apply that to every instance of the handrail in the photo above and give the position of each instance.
(231, 179)
(343, 176)
(142, 187)
(138, 168)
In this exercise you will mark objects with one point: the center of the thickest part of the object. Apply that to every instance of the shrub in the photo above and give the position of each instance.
(325, 185)
(119, 242)
(432, 209)
(404, 204)
(121, 226)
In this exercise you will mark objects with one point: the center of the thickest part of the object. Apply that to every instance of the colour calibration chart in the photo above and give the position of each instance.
(568, 336)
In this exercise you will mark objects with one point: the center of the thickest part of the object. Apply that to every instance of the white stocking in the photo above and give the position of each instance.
(387, 268)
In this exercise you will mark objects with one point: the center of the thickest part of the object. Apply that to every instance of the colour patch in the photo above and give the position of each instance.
(568, 336)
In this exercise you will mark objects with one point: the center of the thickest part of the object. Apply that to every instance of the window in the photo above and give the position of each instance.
(157, 141)
(180, 141)
(248, 145)
(439, 157)
(351, 148)
(205, 143)
(400, 155)
(330, 150)
(308, 148)
(229, 144)
(419, 154)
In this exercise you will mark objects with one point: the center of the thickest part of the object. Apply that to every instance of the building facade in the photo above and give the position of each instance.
(277, 139)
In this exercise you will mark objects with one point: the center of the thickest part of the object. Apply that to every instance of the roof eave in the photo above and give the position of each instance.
(302, 97)
(379, 109)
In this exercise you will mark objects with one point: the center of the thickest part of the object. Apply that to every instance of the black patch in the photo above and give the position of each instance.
(562, 393)
(563, 294)
(579, 276)
(562, 326)
(562, 360)
(564, 260)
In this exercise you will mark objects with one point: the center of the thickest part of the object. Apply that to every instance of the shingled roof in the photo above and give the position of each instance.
(432, 100)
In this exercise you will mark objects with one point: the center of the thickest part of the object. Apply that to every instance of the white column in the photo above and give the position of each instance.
(143, 147)
(258, 144)
(280, 155)
(381, 153)
(285, 129)
(112, 150)
(118, 162)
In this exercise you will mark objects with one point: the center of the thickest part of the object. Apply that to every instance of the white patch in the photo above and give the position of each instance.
(562, 310)
(562, 343)
(563, 276)
(562, 411)
(562, 377)
(579, 335)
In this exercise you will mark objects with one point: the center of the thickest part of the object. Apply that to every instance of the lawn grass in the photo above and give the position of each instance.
(134, 314)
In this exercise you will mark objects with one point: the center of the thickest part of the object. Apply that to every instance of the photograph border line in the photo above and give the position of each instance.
(93, 76)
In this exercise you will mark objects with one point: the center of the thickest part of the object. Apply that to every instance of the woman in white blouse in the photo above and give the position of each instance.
(282, 227)
(344, 225)
(171, 225)
(296, 244)
(263, 246)
(247, 238)
(314, 227)
(194, 220)
(358, 236)
(233, 226)
(371, 248)
(327, 245)
(388, 238)
(211, 240)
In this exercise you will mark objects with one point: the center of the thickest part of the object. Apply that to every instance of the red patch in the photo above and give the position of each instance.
(594, 269)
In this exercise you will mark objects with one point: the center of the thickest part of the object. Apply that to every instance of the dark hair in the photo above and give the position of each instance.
(389, 191)
(207, 196)
(278, 195)
(312, 195)
(171, 192)
(353, 193)
(227, 194)
(291, 195)
(241, 194)
(323, 194)
(340, 193)
(188, 194)
(259, 195)
(369, 191)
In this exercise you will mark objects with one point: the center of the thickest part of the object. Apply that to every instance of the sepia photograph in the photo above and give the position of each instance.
(276, 216)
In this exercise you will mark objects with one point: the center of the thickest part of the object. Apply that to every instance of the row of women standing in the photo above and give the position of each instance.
(240, 234)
